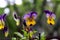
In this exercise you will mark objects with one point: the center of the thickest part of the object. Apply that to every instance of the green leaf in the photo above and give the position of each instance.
(13, 38)
(18, 34)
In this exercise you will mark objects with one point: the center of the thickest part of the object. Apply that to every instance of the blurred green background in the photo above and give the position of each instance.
(33, 5)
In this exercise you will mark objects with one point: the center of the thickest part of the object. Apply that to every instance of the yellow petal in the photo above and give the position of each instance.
(6, 34)
(28, 22)
(1, 24)
(50, 21)
(53, 22)
(1, 27)
(17, 22)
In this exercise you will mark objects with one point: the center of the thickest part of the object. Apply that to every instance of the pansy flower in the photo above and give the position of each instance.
(29, 19)
(16, 18)
(50, 17)
(2, 23)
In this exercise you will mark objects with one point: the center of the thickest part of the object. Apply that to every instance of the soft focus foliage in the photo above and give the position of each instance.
(22, 7)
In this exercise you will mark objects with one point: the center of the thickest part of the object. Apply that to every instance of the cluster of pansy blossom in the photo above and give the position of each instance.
(29, 19)
(2, 25)
(16, 18)
(50, 17)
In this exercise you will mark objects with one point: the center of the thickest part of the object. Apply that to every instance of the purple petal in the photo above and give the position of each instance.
(47, 15)
(30, 14)
(34, 14)
(53, 15)
(26, 16)
(3, 16)
(48, 12)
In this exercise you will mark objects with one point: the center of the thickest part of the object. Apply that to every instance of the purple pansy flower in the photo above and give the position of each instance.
(49, 14)
(30, 15)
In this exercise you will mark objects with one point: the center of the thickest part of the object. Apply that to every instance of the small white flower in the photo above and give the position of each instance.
(7, 11)
(3, 3)
(18, 2)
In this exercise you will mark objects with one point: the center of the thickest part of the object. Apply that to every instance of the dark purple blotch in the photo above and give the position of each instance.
(16, 17)
(5, 29)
